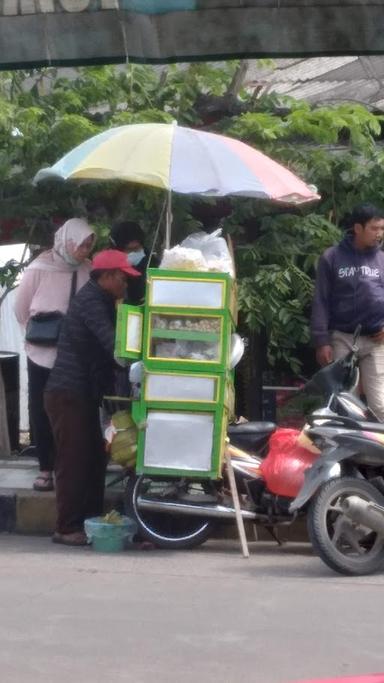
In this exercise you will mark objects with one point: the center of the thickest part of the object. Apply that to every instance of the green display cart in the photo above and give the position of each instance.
(183, 336)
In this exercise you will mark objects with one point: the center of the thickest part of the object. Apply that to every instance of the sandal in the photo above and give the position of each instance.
(76, 538)
(43, 482)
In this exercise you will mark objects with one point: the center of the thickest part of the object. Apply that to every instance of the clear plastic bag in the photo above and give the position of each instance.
(181, 258)
(186, 350)
(121, 435)
(213, 248)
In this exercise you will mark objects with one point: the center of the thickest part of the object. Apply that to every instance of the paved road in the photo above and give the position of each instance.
(74, 616)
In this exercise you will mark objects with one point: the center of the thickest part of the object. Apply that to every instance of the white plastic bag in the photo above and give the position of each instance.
(213, 248)
(181, 258)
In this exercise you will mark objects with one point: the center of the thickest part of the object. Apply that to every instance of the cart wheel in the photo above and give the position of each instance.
(166, 530)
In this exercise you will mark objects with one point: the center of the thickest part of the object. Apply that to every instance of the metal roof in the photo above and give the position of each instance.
(323, 79)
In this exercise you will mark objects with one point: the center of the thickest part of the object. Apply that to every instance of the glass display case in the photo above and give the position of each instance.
(129, 331)
(173, 289)
(184, 334)
(180, 336)
(180, 388)
(202, 391)
(178, 440)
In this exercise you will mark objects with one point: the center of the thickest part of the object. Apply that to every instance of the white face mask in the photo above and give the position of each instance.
(71, 260)
(134, 257)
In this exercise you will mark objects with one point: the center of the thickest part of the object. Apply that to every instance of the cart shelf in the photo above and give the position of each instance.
(190, 335)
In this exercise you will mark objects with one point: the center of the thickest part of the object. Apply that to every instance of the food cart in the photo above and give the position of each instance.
(182, 334)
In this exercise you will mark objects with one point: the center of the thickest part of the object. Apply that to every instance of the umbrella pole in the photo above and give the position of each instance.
(168, 226)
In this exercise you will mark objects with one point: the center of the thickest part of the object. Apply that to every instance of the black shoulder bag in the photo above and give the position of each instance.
(43, 329)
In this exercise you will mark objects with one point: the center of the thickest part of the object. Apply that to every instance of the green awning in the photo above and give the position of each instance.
(65, 32)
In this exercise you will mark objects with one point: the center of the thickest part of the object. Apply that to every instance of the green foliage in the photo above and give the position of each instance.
(8, 276)
(44, 114)
(9, 273)
(69, 127)
(299, 122)
(276, 283)
(334, 148)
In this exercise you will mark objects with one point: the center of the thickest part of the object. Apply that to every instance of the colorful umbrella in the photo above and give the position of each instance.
(181, 160)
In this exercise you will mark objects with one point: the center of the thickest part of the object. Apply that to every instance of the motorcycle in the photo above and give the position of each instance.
(343, 491)
(182, 513)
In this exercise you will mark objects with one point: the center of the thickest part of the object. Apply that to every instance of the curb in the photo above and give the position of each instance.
(7, 511)
(30, 512)
(34, 513)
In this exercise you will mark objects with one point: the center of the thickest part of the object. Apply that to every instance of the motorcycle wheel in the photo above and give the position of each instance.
(346, 547)
(165, 530)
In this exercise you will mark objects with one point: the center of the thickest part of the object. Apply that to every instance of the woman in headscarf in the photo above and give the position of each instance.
(46, 287)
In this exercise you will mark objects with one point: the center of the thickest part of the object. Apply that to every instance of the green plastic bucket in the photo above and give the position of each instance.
(107, 537)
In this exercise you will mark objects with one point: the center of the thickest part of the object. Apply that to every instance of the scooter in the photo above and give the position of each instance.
(181, 513)
(343, 491)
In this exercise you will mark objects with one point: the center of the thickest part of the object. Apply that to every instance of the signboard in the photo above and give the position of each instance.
(65, 32)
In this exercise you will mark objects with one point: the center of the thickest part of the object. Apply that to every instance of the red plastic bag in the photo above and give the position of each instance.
(283, 468)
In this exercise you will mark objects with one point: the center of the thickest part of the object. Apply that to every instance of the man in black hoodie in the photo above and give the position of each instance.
(350, 291)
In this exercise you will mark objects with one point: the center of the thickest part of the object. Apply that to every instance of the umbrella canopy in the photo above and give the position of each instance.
(182, 160)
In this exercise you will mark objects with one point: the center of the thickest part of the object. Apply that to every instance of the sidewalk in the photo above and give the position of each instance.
(25, 511)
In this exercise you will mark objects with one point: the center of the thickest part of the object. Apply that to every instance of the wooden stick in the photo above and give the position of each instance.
(236, 502)
(168, 224)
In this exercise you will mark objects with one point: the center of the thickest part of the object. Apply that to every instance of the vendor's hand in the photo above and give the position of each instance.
(324, 355)
(378, 337)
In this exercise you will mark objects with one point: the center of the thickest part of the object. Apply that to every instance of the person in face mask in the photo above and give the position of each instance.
(128, 237)
(46, 287)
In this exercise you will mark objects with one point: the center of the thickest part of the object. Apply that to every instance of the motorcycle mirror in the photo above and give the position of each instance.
(136, 372)
(355, 339)
(237, 350)
(332, 378)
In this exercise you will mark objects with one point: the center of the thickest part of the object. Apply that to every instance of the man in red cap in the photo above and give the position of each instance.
(82, 375)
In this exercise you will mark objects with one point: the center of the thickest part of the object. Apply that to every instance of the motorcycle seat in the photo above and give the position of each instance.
(251, 428)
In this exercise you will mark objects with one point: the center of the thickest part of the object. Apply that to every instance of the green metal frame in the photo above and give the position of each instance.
(223, 338)
(229, 300)
(124, 311)
(224, 392)
(139, 414)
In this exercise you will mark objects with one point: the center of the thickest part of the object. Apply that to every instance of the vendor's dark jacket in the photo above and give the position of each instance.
(85, 364)
(349, 291)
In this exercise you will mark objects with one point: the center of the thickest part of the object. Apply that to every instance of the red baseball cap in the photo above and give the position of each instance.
(113, 259)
